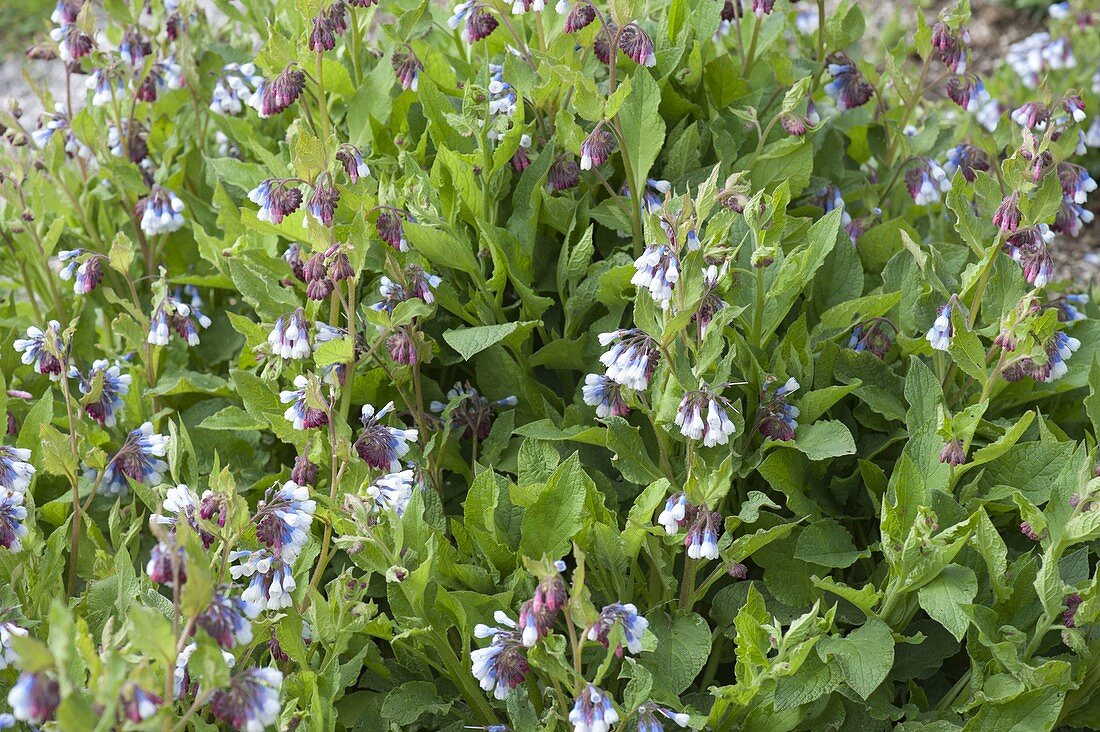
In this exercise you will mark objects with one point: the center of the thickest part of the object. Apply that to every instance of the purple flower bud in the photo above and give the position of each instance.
(391, 229)
(953, 453)
(351, 158)
(271, 98)
(636, 43)
(323, 201)
(1007, 215)
(304, 472)
(564, 173)
(848, 87)
(596, 148)
(34, 698)
(1072, 602)
(480, 23)
(407, 67)
(580, 17)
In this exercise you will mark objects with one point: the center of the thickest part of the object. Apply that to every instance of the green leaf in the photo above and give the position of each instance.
(945, 598)
(555, 516)
(629, 453)
(828, 544)
(683, 645)
(642, 127)
(823, 440)
(410, 701)
(1032, 711)
(471, 341)
(864, 657)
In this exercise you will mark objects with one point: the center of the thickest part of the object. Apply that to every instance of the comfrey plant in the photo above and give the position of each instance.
(513, 366)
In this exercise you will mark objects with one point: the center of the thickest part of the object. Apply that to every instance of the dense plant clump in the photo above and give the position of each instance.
(610, 365)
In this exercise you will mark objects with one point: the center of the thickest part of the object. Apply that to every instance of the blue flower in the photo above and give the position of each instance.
(716, 428)
(166, 564)
(392, 492)
(228, 619)
(136, 703)
(926, 181)
(111, 384)
(675, 513)
(34, 698)
(182, 677)
(8, 630)
(87, 267)
(13, 514)
(701, 539)
(161, 212)
(605, 394)
(289, 337)
(633, 625)
(276, 198)
(500, 666)
(138, 459)
(106, 85)
(182, 503)
(848, 88)
(1068, 307)
(942, 331)
(234, 88)
(379, 445)
(473, 412)
(283, 519)
(658, 270)
(15, 471)
(301, 413)
(251, 703)
(593, 711)
(631, 359)
(43, 349)
(649, 717)
(776, 416)
(272, 580)
(171, 313)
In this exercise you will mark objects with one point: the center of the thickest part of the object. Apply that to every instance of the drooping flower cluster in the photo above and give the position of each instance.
(631, 358)
(472, 413)
(703, 525)
(1058, 349)
(593, 711)
(15, 480)
(271, 580)
(289, 337)
(251, 703)
(392, 492)
(108, 384)
(161, 212)
(272, 97)
(234, 88)
(43, 349)
(139, 460)
(501, 666)
(83, 267)
(381, 446)
(776, 416)
(283, 519)
(184, 318)
(657, 270)
(713, 429)
(926, 181)
(308, 409)
(277, 199)
(626, 616)
(35, 698)
(942, 330)
(848, 88)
